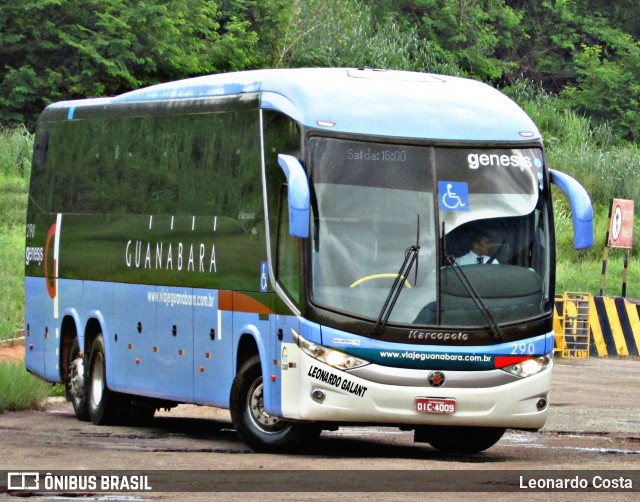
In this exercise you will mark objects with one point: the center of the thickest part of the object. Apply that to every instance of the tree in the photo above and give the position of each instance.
(608, 86)
(580, 50)
(350, 33)
(473, 35)
(267, 20)
(63, 49)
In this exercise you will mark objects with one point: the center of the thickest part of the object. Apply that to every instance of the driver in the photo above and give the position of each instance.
(479, 252)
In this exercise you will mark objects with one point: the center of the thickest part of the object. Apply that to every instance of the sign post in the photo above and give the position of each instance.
(619, 235)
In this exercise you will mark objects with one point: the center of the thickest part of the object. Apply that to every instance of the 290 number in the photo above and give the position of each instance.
(521, 349)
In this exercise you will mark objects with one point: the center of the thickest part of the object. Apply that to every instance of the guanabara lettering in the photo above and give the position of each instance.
(166, 255)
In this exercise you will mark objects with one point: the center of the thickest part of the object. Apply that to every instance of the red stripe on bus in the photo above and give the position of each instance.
(50, 281)
(239, 302)
(503, 361)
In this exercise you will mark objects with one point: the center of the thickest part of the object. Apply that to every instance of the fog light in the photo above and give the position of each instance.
(541, 404)
(318, 395)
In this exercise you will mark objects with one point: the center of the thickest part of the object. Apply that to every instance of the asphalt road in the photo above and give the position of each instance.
(593, 427)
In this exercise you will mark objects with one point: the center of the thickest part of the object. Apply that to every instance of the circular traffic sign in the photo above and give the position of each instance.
(616, 224)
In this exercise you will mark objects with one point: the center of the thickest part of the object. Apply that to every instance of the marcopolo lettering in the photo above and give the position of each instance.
(415, 334)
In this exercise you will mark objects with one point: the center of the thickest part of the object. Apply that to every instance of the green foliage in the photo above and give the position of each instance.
(15, 164)
(346, 33)
(581, 271)
(608, 86)
(62, 49)
(586, 50)
(20, 390)
(12, 270)
(16, 148)
(470, 35)
(265, 23)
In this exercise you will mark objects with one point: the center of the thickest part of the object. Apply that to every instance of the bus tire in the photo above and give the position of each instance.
(76, 382)
(259, 430)
(103, 404)
(459, 439)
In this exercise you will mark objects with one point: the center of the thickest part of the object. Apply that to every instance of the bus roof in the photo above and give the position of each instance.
(362, 101)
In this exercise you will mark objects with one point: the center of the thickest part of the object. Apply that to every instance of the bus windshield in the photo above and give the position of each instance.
(373, 203)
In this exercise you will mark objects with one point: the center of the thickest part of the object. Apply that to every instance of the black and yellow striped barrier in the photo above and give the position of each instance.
(616, 327)
(587, 325)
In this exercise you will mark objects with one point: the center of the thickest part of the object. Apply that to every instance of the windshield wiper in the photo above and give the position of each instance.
(477, 299)
(410, 256)
(473, 293)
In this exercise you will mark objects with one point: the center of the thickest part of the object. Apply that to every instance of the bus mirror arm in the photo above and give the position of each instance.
(581, 209)
(298, 195)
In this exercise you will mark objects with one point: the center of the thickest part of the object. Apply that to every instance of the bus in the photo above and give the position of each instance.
(285, 243)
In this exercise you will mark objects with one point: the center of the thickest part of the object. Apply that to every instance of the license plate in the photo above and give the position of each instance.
(435, 405)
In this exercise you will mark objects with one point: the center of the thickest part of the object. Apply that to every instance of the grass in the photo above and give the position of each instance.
(15, 154)
(20, 390)
(581, 271)
(15, 161)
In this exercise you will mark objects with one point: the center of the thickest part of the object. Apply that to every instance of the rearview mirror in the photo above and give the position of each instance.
(298, 195)
(581, 209)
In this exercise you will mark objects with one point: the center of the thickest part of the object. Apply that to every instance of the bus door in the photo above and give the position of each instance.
(131, 357)
(174, 372)
(286, 372)
(212, 347)
(40, 321)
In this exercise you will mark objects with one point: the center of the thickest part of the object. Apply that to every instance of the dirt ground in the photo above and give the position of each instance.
(593, 426)
(12, 351)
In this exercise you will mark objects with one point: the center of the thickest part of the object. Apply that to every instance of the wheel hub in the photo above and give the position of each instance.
(76, 378)
(97, 383)
(255, 406)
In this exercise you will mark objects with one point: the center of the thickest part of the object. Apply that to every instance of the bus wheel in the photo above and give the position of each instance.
(259, 430)
(457, 439)
(103, 404)
(75, 385)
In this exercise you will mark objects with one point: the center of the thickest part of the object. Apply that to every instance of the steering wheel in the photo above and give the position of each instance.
(495, 254)
(379, 276)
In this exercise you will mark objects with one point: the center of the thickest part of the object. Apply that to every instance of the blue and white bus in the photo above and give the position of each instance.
(284, 243)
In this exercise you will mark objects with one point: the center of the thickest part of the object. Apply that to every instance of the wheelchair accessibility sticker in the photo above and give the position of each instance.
(264, 276)
(453, 195)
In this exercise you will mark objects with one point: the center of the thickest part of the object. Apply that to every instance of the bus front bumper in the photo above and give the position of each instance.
(314, 391)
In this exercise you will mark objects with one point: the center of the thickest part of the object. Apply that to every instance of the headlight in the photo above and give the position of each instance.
(529, 367)
(332, 357)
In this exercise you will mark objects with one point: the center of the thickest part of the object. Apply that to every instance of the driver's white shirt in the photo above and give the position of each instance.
(472, 259)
